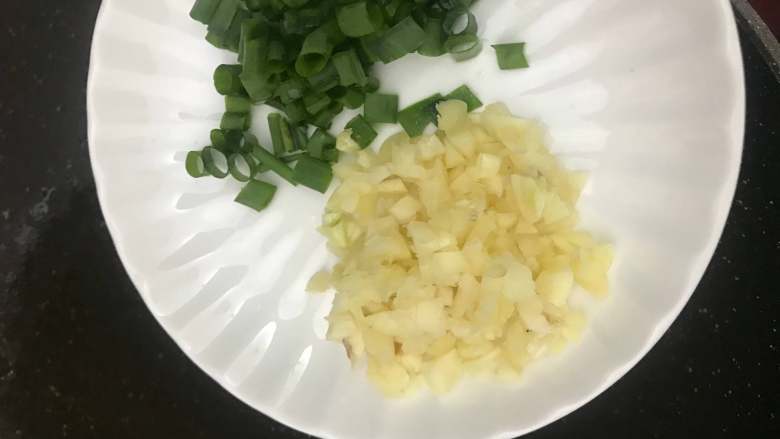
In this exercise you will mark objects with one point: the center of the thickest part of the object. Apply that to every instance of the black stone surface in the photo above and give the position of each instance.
(81, 357)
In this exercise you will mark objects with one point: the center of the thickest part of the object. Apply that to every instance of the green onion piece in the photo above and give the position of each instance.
(349, 68)
(372, 85)
(359, 19)
(313, 173)
(215, 39)
(381, 108)
(254, 54)
(454, 19)
(227, 140)
(251, 29)
(331, 155)
(258, 87)
(366, 48)
(300, 137)
(237, 104)
(324, 118)
(227, 80)
(326, 79)
(464, 93)
(463, 47)
(316, 102)
(275, 60)
(241, 166)
(511, 56)
(256, 195)
(319, 142)
(362, 131)
(295, 4)
(223, 17)
(233, 34)
(349, 97)
(301, 22)
(403, 11)
(281, 138)
(433, 43)
(403, 38)
(203, 10)
(290, 90)
(214, 162)
(296, 112)
(274, 164)
(194, 165)
(291, 158)
(314, 54)
(235, 121)
(416, 117)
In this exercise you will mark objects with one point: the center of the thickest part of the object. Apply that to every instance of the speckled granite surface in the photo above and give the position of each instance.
(81, 357)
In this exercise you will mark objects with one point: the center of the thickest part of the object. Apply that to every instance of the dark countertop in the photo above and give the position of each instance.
(80, 355)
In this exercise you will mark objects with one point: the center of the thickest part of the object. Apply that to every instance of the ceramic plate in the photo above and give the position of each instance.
(648, 95)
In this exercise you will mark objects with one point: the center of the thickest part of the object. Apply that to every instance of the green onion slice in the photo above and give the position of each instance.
(381, 108)
(313, 173)
(194, 165)
(463, 47)
(349, 68)
(214, 162)
(511, 56)
(256, 195)
(359, 19)
(416, 117)
(227, 81)
(464, 93)
(319, 142)
(241, 166)
(362, 131)
(274, 164)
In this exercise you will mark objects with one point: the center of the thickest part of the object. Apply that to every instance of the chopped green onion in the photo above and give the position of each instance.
(372, 85)
(214, 162)
(227, 140)
(275, 60)
(314, 54)
(331, 155)
(319, 142)
(194, 165)
(316, 102)
(433, 43)
(359, 19)
(403, 38)
(362, 131)
(290, 90)
(241, 166)
(238, 104)
(463, 47)
(259, 88)
(349, 68)
(233, 34)
(511, 56)
(324, 118)
(326, 79)
(274, 164)
(296, 112)
(348, 97)
(280, 134)
(416, 117)
(294, 157)
(203, 10)
(454, 20)
(255, 53)
(463, 93)
(381, 108)
(251, 29)
(223, 17)
(235, 121)
(256, 195)
(313, 173)
(300, 137)
(215, 39)
(227, 81)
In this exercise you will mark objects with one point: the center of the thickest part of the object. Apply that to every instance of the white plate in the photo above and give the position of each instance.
(647, 94)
